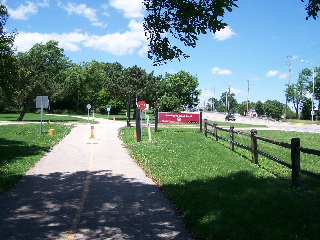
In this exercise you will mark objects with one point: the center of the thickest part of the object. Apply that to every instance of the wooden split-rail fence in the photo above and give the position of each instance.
(295, 147)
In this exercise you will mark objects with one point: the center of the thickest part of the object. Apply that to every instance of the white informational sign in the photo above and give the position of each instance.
(89, 106)
(42, 102)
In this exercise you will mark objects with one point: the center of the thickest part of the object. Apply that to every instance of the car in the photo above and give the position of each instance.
(230, 118)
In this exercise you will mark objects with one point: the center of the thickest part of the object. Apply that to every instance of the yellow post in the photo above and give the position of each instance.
(135, 133)
(51, 132)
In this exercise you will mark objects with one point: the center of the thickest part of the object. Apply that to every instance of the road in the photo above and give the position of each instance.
(282, 126)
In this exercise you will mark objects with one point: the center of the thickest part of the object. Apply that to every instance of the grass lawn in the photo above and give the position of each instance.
(21, 146)
(220, 193)
(35, 117)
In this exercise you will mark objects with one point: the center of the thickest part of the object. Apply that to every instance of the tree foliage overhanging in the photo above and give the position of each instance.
(7, 59)
(185, 20)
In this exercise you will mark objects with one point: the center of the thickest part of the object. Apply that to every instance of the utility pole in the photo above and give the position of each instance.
(248, 94)
(229, 101)
(290, 72)
(212, 99)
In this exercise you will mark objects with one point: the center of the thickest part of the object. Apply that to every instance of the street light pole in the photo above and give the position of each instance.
(313, 66)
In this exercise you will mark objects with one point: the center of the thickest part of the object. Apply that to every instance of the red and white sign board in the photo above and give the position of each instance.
(142, 105)
(186, 118)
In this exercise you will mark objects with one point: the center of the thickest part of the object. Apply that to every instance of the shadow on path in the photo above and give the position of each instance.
(48, 206)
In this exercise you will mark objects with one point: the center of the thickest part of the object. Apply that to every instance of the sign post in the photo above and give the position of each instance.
(142, 105)
(88, 107)
(42, 102)
(108, 108)
(138, 125)
(149, 129)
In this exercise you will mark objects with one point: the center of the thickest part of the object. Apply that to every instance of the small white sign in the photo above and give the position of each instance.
(89, 106)
(42, 102)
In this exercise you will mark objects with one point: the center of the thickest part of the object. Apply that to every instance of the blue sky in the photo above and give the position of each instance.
(255, 46)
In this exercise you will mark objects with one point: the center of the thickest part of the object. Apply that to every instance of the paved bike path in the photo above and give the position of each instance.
(88, 189)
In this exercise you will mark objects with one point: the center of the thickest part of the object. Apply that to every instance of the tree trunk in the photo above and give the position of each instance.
(20, 118)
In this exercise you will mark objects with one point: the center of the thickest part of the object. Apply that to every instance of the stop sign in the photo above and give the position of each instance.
(142, 105)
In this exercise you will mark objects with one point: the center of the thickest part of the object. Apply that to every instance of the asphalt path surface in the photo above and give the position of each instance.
(282, 126)
(88, 188)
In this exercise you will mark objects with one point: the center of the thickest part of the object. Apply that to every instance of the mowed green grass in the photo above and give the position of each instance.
(36, 117)
(220, 193)
(21, 146)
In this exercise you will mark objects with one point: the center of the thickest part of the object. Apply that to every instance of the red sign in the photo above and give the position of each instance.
(142, 105)
(186, 118)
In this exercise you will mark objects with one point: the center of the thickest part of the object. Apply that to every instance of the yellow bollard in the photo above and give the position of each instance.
(135, 133)
(51, 132)
(92, 120)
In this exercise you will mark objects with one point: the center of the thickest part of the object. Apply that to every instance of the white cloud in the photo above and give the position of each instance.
(117, 43)
(272, 73)
(284, 76)
(224, 34)
(43, 3)
(68, 41)
(120, 44)
(106, 10)
(131, 8)
(23, 11)
(84, 11)
(235, 90)
(220, 71)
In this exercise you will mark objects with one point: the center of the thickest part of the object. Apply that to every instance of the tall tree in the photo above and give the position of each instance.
(228, 102)
(274, 109)
(306, 109)
(181, 86)
(185, 20)
(133, 84)
(317, 87)
(41, 73)
(296, 93)
(8, 69)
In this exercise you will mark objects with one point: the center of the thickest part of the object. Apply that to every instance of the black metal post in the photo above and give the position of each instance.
(156, 119)
(128, 114)
(200, 120)
(138, 125)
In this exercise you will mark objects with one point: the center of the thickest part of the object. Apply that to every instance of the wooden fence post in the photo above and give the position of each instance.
(254, 146)
(295, 159)
(205, 127)
(215, 131)
(232, 138)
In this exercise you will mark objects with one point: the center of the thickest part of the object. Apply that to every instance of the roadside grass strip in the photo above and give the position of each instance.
(21, 146)
(220, 193)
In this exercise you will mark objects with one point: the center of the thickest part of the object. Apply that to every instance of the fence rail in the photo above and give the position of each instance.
(294, 146)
